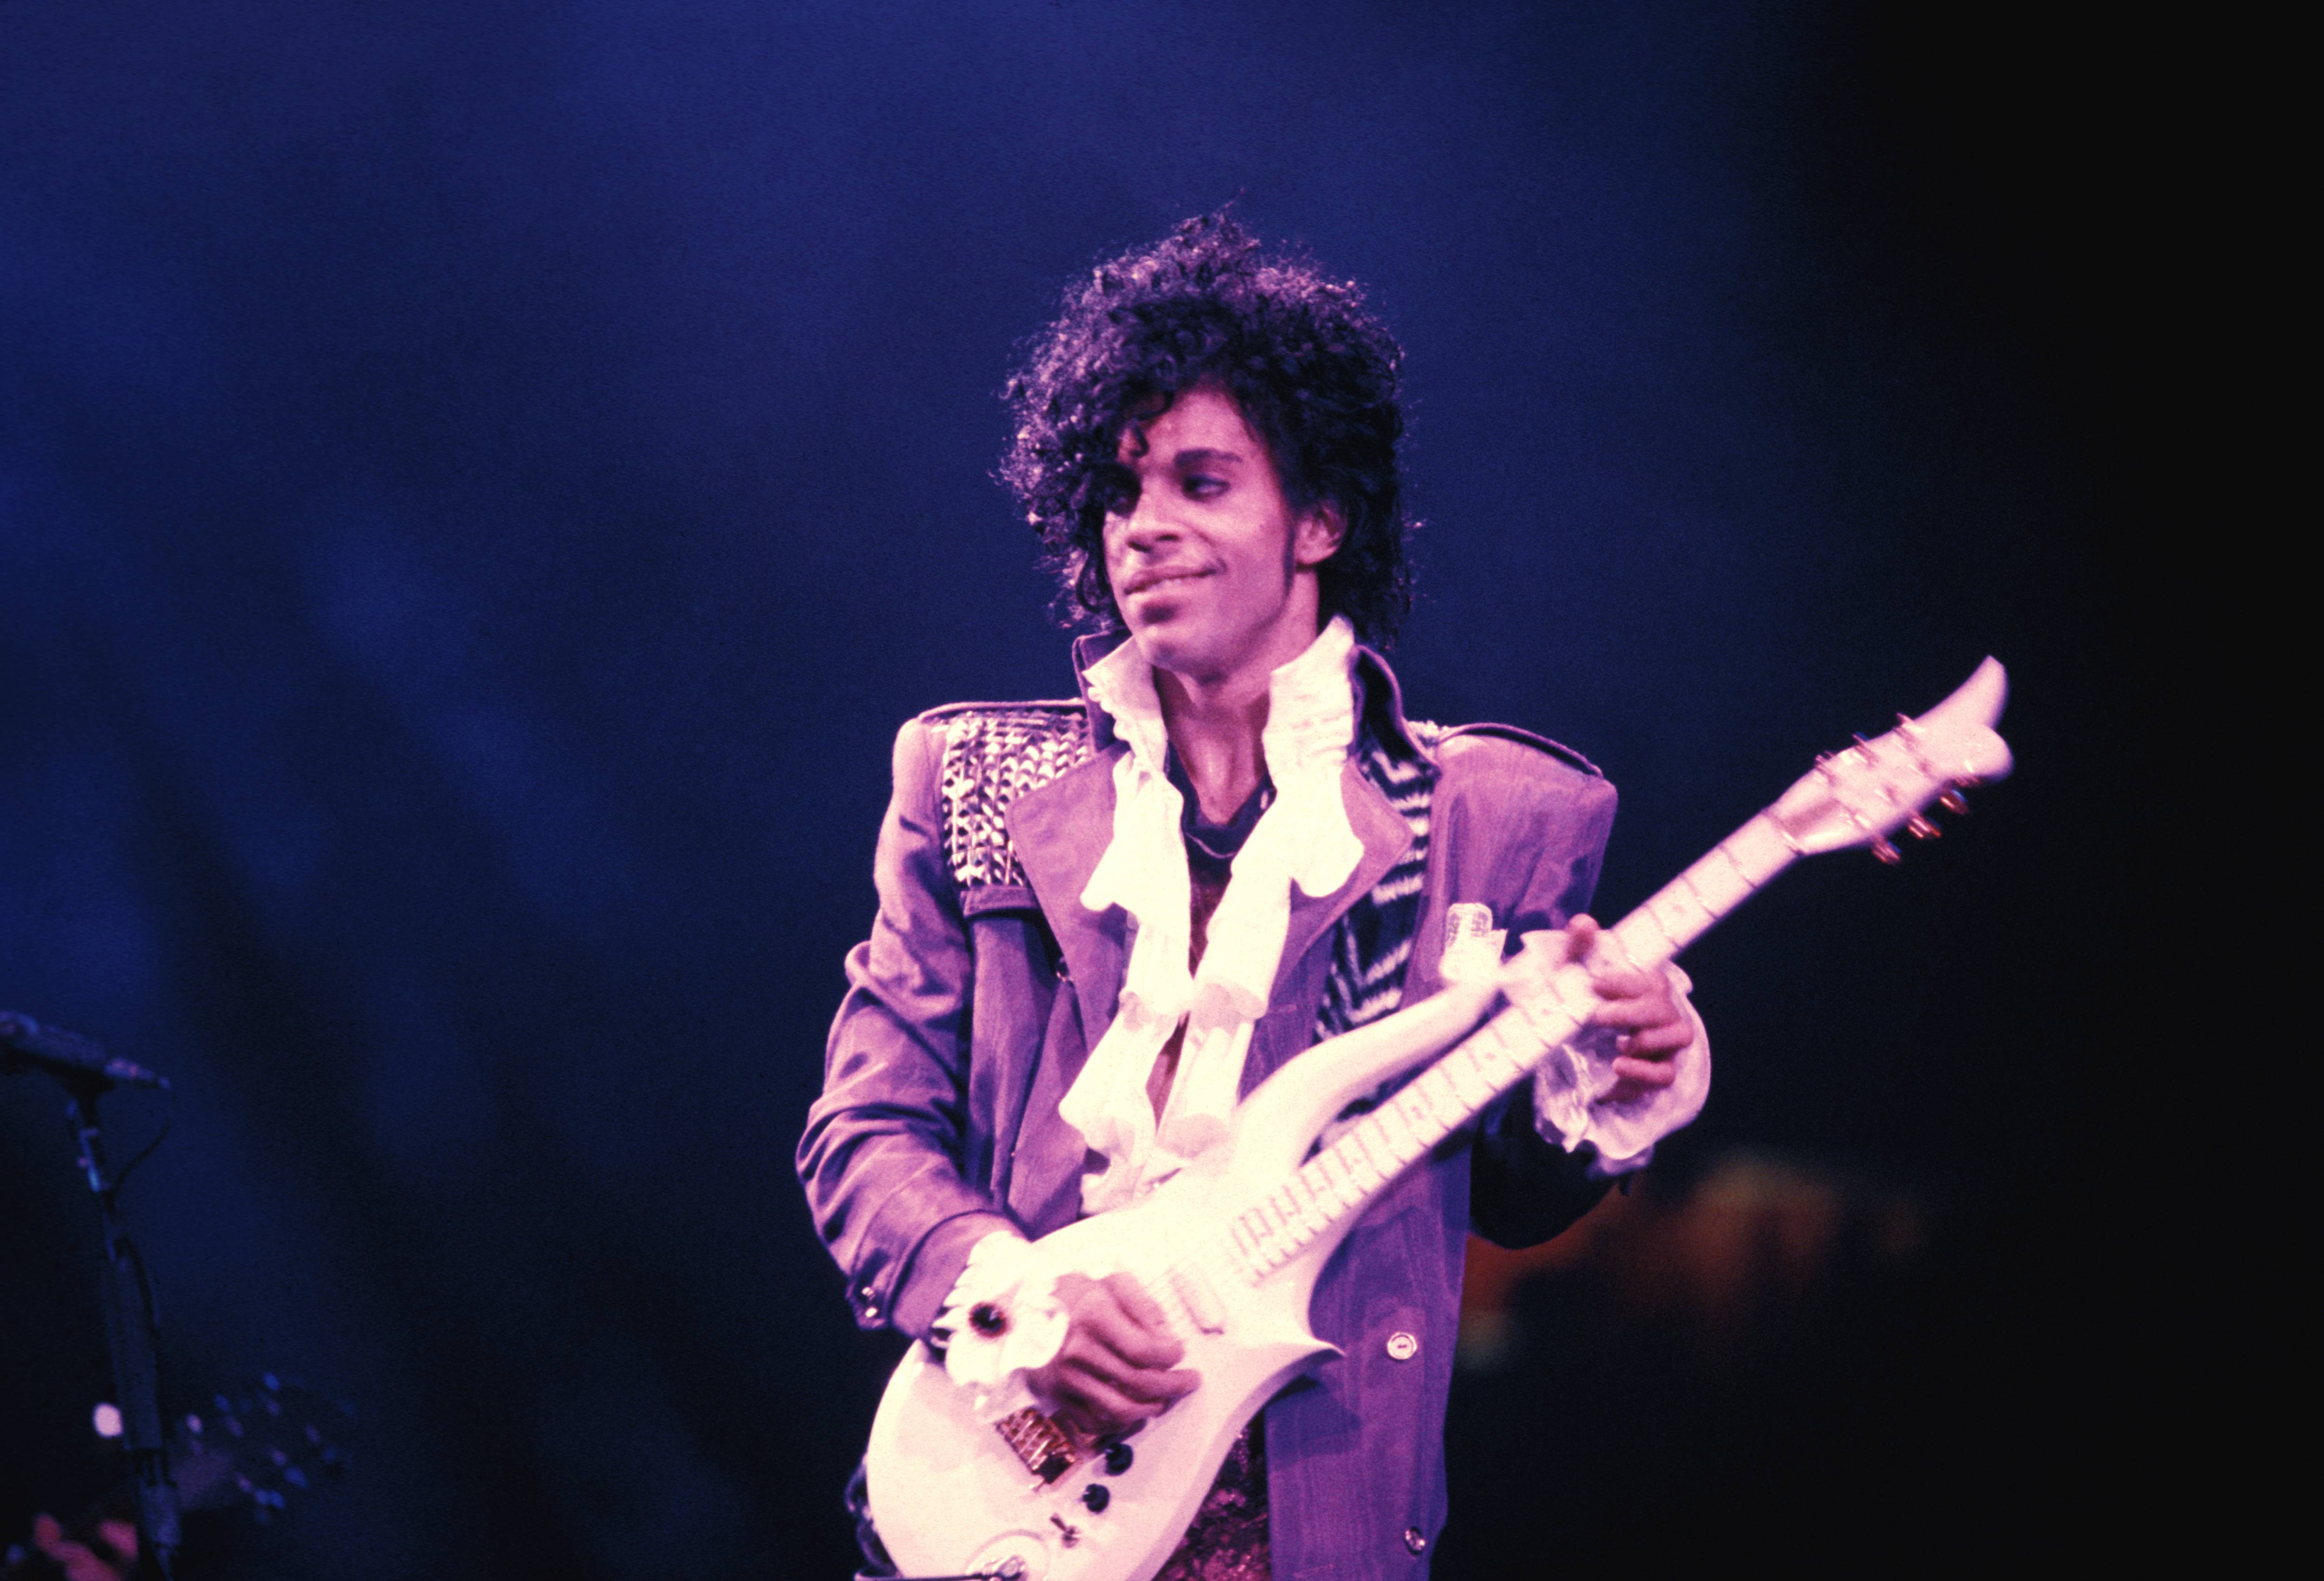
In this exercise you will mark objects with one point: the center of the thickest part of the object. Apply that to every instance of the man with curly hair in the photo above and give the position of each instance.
(1104, 921)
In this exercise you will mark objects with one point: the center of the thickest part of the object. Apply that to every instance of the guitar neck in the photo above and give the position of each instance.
(1339, 1182)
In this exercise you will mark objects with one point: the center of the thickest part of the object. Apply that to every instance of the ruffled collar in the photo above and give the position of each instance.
(1303, 838)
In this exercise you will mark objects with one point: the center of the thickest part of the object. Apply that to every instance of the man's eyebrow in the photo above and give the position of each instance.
(1204, 457)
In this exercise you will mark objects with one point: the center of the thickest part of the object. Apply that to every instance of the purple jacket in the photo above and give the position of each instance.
(970, 1010)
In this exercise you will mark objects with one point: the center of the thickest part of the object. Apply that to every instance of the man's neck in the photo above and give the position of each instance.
(1216, 729)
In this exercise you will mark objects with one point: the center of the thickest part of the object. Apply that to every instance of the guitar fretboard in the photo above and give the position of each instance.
(1345, 1177)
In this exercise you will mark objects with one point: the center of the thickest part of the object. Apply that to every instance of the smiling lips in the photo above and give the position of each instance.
(1148, 581)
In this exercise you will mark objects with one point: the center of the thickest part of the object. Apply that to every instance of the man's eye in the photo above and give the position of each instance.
(1200, 486)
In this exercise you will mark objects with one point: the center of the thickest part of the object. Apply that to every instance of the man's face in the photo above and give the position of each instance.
(1212, 572)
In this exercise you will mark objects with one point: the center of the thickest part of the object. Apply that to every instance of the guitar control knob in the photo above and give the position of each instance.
(1117, 1457)
(1887, 851)
(1097, 1497)
(1920, 828)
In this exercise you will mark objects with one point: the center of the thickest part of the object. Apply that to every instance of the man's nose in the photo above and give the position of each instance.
(1147, 525)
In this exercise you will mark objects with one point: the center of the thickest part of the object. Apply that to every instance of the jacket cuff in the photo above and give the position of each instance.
(934, 1267)
(1577, 1101)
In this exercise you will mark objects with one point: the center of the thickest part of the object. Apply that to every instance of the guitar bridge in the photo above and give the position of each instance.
(1044, 1448)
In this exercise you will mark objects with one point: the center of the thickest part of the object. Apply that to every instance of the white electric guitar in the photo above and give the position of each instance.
(1232, 1246)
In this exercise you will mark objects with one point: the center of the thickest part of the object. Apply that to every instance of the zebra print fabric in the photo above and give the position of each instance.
(1372, 944)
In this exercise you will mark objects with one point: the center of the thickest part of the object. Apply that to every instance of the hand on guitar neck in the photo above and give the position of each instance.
(1642, 1006)
(1115, 1367)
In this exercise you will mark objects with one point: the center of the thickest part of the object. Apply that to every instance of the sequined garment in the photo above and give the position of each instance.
(993, 754)
(1228, 1540)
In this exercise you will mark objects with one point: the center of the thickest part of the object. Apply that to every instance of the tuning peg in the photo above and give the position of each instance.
(1953, 801)
(1920, 828)
(1887, 851)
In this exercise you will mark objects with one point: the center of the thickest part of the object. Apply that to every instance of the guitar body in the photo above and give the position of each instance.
(949, 1494)
(974, 1504)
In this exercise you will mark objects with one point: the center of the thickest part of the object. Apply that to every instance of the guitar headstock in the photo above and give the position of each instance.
(1863, 795)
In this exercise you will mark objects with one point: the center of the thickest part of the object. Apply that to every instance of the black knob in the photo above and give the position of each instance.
(1117, 1457)
(1097, 1497)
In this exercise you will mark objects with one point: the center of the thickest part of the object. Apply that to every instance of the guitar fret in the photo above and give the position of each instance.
(1474, 1095)
(1413, 1105)
(1386, 1142)
(1643, 938)
(1443, 1101)
(1496, 1057)
(1317, 1171)
(1396, 1128)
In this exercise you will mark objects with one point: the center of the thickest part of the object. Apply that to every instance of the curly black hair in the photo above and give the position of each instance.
(1314, 372)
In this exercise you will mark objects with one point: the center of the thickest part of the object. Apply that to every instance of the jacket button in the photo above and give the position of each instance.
(1414, 1539)
(871, 1314)
(1403, 1347)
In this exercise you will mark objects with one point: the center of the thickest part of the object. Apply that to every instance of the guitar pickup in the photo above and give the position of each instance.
(1047, 1449)
(1202, 1303)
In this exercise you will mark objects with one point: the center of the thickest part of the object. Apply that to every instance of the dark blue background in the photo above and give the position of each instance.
(480, 484)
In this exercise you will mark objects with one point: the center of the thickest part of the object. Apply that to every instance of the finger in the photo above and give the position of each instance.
(1142, 1308)
(1635, 1015)
(1613, 981)
(1095, 1406)
(1657, 1042)
(1139, 1344)
(1111, 1345)
(1147, 1386)
(1644, 1072)
(1580, 936)
(120, 1536)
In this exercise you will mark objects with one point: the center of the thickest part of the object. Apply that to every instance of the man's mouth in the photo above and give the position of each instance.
(1148, 581)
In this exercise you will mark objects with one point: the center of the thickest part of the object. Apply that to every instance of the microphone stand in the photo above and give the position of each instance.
(127, 1300)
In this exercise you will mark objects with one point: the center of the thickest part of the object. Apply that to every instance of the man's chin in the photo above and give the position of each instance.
(1169, 644)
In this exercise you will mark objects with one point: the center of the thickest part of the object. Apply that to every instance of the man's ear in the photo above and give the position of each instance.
(1318, 536)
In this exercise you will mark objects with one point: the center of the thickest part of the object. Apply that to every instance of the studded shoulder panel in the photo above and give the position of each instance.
(993, 754)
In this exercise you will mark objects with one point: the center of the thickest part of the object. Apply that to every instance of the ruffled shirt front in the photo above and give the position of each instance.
(1304, 838)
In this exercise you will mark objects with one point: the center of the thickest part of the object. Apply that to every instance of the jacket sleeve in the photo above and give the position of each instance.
(1523, 1188)
(881, 1160)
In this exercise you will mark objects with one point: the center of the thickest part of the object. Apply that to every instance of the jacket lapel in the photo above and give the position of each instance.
(1384, 837)
(1060, 832)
